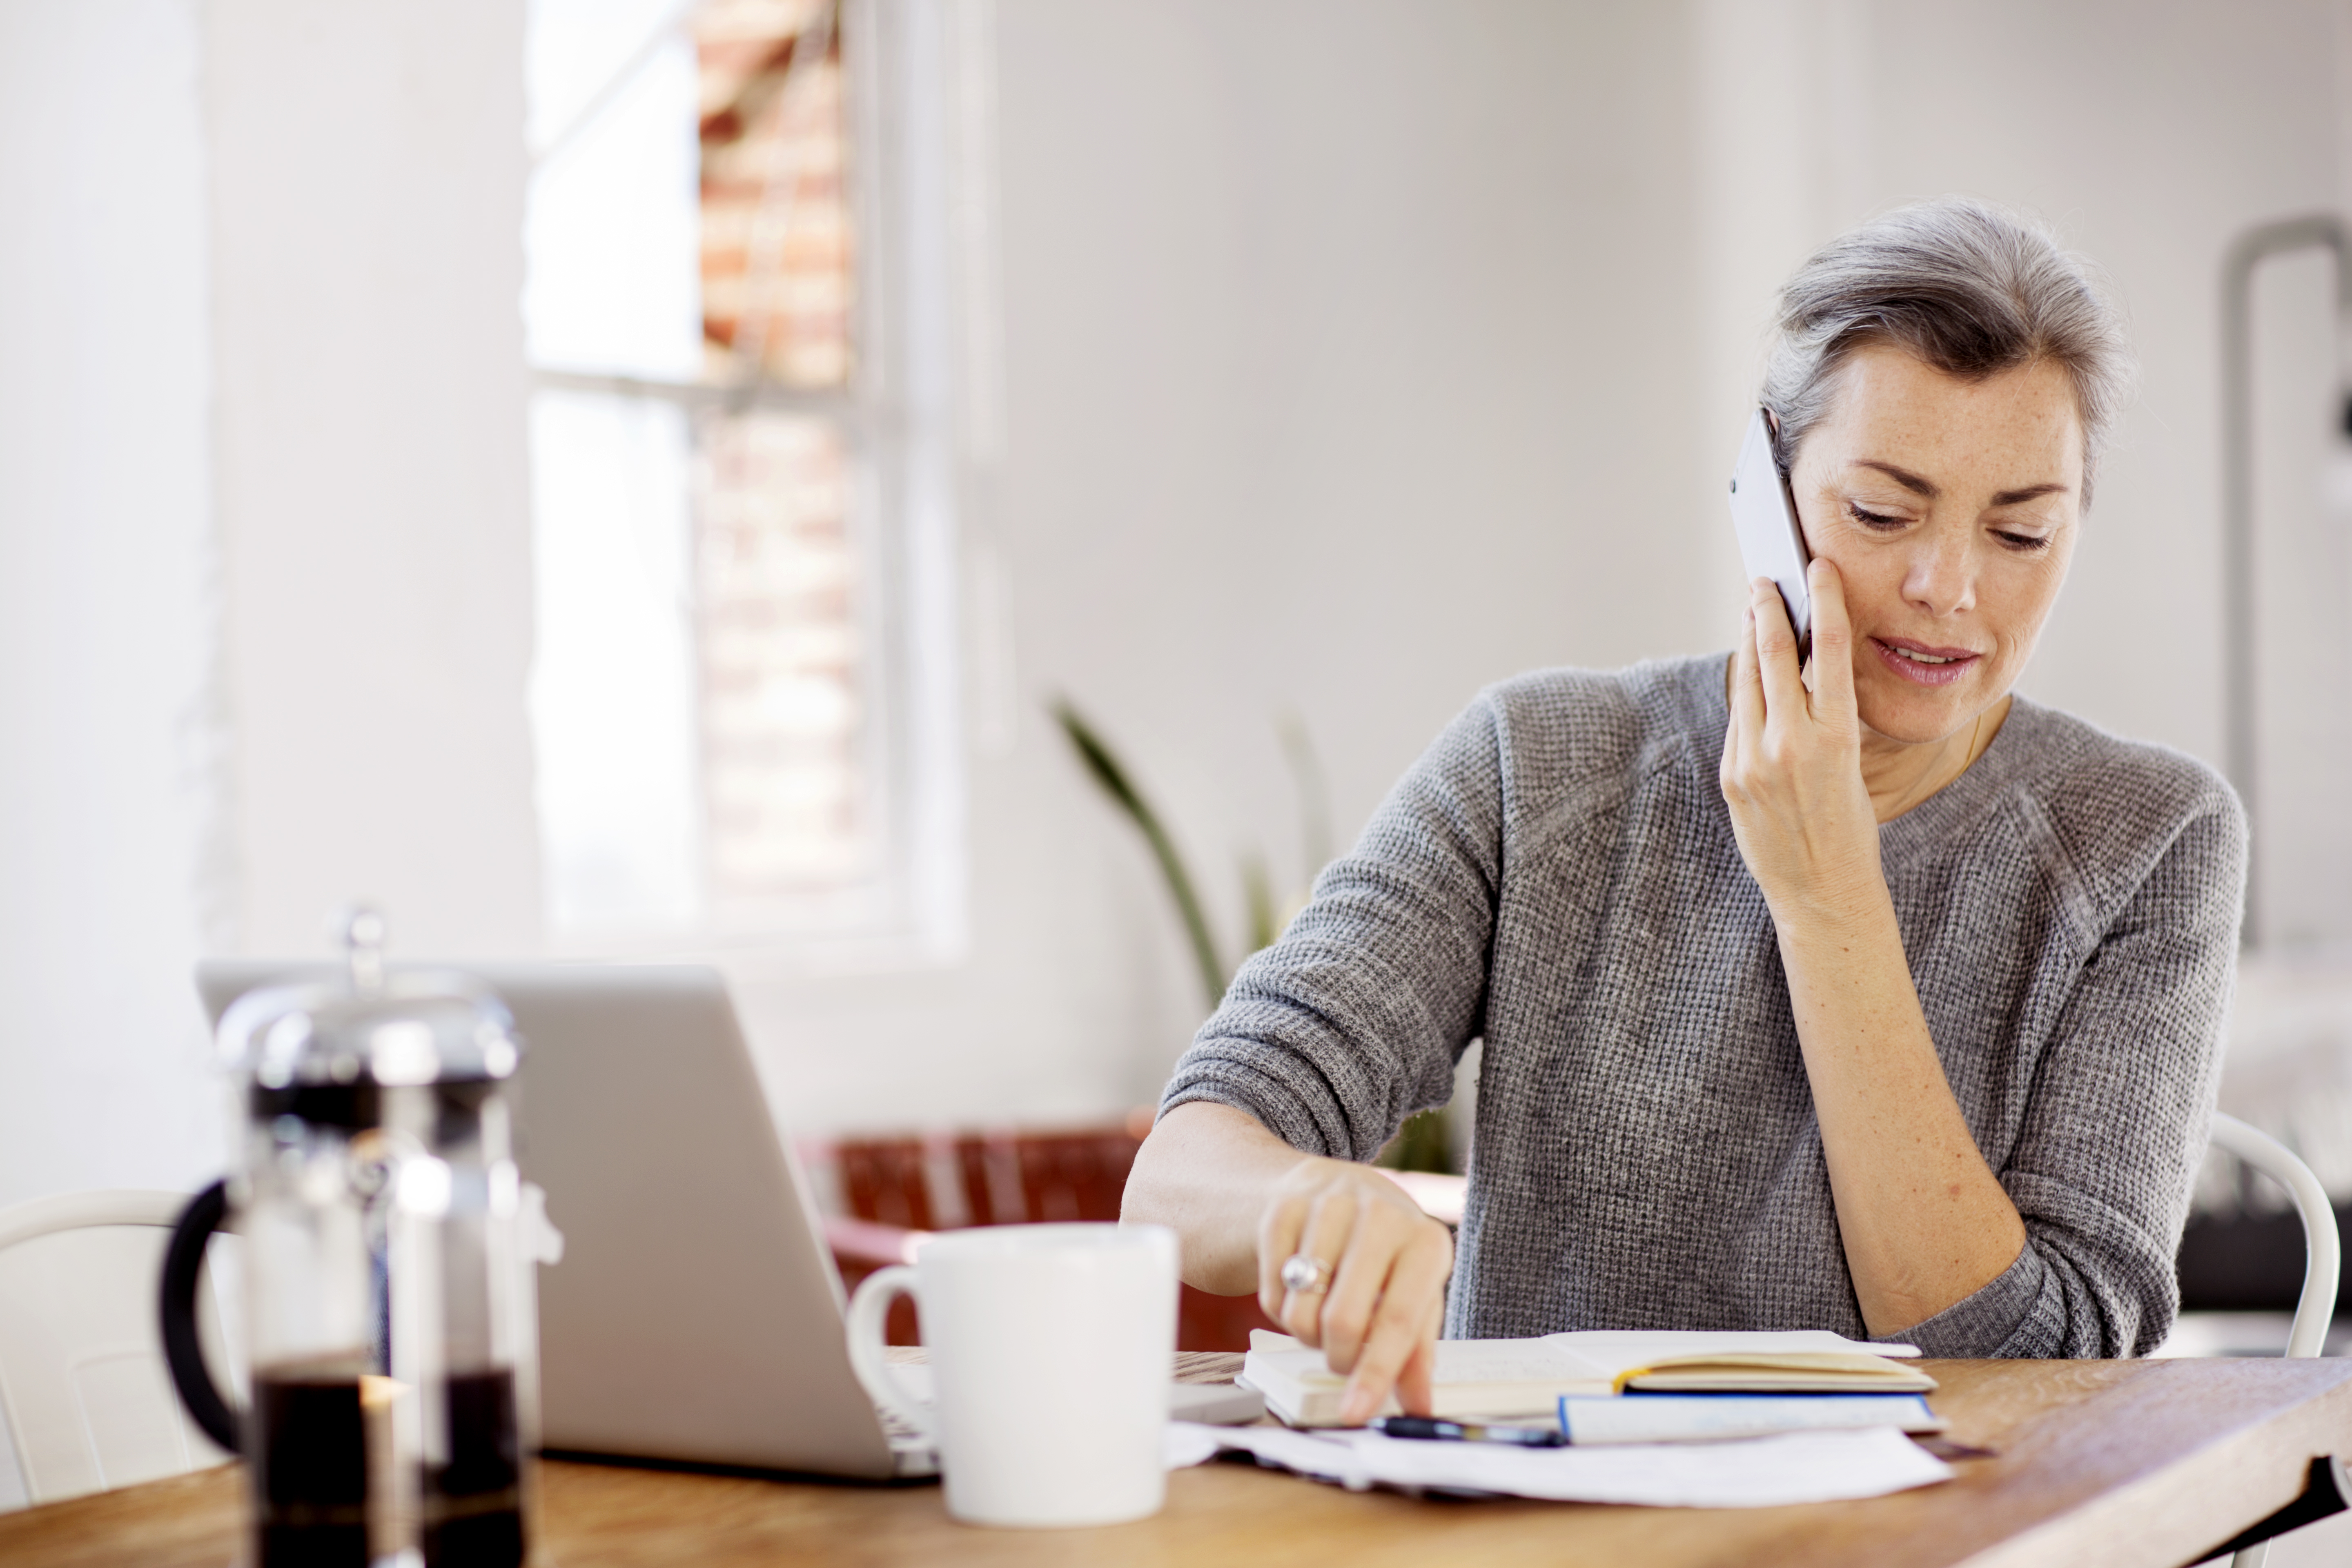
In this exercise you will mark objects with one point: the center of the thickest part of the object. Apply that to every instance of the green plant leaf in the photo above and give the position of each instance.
(1257, 897)
(1420, 1144)
(1107, 772)
(1314, 794)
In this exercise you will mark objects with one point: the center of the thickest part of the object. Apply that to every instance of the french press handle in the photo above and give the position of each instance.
(183, 1353)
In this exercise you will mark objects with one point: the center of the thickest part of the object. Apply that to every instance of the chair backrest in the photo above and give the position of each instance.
(2323, 1248)
(88, 1402)
(999, 1178)
(1055, 1176)
(886, 1180)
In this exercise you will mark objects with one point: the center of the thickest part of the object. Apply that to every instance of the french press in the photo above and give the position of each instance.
(389, 1311)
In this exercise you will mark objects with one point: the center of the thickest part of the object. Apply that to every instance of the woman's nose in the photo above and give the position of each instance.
(1942, 579)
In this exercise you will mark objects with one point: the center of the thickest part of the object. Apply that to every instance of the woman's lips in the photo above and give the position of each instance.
(1930, 667)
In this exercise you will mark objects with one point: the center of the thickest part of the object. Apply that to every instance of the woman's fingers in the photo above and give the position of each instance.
(1368, 1274)
(1355, 1295)
(1746, 681)
(1832, 644)
(1403, 1323)
(1746, 701)
(1776, 651)
(1416, 1385)
(1326, 1237)
(1278, 1231)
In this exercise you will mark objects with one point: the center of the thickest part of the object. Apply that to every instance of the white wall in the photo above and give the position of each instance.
(108, 875)
(367, 218)
(1356, 355)
(264, 572)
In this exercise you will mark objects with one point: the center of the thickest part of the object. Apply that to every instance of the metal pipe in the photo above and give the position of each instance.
(2240, 731)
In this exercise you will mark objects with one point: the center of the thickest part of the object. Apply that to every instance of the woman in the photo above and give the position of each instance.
(1869, 997)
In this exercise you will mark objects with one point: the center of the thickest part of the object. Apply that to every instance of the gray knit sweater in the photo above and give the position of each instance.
(1558, 876)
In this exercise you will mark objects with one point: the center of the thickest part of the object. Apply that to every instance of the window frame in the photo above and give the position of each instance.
(907, 74)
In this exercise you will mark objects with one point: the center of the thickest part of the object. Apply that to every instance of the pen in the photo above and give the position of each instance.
(1466, 1432)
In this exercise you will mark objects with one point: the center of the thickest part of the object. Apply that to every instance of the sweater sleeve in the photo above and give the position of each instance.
(2117, 1121)
(1354, 1019)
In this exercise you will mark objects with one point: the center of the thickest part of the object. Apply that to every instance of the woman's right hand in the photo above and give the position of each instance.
(1386, 1264)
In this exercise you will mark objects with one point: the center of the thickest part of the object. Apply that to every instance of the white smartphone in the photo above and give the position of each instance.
(1764, 515)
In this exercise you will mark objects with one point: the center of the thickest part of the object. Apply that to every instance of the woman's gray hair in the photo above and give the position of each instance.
(1965, 286)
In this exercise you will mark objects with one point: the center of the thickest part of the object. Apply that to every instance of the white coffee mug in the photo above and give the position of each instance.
(1050, 1352)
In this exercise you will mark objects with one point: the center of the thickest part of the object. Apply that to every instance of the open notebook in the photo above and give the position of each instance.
(1527, 1377)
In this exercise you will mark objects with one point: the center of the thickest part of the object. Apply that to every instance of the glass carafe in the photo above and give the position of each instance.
(389, 1323)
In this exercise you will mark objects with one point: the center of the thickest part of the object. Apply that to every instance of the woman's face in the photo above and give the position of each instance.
(1949, 508)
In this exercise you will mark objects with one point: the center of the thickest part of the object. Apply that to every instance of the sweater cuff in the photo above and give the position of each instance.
(1981, 1324)
(1271, 1103)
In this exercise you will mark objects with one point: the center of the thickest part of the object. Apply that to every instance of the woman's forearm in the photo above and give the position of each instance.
(1206, 1172)
(1924, 1222)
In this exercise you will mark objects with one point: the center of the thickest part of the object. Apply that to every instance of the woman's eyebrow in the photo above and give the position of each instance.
(1920, 485)
(1914, 483)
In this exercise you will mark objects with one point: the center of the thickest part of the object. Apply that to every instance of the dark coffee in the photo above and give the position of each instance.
(311, 1477)
(309, 1445)
(473, 1504)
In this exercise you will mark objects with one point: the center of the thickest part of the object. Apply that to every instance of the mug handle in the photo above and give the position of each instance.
(182, 1351)
(866, 1328)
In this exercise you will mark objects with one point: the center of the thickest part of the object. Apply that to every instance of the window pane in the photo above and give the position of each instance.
(785, 711)
(613, 683)
(713, 754)
(776, 234)
(611, 220)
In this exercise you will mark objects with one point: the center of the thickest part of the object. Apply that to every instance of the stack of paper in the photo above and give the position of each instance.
(1764, 1472)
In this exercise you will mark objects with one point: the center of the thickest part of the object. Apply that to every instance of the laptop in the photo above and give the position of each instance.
(697, 1315)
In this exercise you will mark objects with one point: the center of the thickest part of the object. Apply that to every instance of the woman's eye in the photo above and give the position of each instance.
(2023, 541)
(1869, 519)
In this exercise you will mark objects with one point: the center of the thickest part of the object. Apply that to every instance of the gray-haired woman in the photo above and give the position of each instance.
(1890, 1006)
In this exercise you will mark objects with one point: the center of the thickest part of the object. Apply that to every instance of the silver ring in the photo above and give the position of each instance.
(1306, 1276)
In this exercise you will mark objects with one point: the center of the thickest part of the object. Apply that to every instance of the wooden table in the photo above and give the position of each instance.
(2107, 1462)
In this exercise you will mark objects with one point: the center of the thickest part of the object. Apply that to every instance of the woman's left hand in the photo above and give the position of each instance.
(1793, 760)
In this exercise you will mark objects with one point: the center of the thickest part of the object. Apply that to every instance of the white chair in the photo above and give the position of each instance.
(2315, 1311)
(2323, 1250)
(87, 1400)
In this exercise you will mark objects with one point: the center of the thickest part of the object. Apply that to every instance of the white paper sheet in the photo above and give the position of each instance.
(1706, 1417)
(1763, 1472)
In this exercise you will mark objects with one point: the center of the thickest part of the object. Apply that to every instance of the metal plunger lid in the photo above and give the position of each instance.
(370, 1026)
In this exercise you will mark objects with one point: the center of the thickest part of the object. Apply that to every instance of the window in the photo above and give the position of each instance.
(744, 242)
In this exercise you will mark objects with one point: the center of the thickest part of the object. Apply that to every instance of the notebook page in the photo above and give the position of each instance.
(1612, 1350)
(1538, 1360)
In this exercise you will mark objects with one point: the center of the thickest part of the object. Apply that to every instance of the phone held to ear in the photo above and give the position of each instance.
(1764, 515)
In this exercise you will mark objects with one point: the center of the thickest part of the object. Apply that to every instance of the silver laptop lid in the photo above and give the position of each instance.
(697, 1313)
